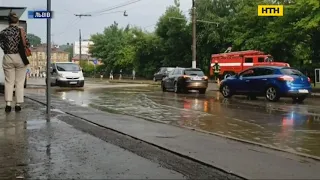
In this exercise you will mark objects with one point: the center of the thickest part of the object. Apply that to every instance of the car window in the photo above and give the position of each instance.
(169, 69)
(289, 71)
(193, 72)
(263, 71)
(67, 67)
(172, 72)
(247, 73)
(248, 60)
(179, 72)
(261, 59)
(162, 70)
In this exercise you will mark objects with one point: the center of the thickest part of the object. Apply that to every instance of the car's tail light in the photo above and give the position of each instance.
(309, 80)
(286, 78)
(186, 77)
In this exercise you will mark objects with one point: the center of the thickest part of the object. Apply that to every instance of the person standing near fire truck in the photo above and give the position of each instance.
(216, 70)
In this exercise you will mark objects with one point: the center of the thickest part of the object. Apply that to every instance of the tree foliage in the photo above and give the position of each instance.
(34, 40)
(293, 38)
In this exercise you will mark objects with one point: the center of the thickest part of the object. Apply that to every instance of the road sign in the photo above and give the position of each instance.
(95, 61)
(40, 14)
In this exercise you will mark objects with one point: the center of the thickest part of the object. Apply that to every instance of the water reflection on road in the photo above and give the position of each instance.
(283, 125)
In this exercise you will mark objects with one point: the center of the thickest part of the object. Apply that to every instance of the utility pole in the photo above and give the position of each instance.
(80, 39)
(194, 36)
(80, 47)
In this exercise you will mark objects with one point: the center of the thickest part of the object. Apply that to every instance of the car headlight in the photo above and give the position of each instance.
(61, 75)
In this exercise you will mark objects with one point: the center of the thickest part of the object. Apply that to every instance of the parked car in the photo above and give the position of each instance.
(272, 82)
(162, 72)
(185, 79)
(66, 74)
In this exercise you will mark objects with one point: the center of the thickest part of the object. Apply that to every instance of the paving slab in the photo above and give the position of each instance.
(32, 148)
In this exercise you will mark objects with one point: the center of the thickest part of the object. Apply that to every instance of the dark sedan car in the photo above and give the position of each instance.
(185, 79)
(272, 82)
(162, 72)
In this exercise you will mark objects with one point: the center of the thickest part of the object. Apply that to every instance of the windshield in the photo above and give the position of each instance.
(288, 71)
(269, 59)
(67, 67)
(170, 69)
(194, 72)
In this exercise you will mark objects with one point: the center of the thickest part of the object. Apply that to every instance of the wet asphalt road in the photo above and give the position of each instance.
(292, 127)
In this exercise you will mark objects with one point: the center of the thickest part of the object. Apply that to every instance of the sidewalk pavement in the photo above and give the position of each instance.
(243, 158)
(32, 148)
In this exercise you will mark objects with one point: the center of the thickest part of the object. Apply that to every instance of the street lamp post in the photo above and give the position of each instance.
(194, 36)
(48, 89)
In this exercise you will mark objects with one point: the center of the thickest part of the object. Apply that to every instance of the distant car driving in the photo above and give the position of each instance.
(66, 74)
(162, 72)
(184, 79)
(272, 82)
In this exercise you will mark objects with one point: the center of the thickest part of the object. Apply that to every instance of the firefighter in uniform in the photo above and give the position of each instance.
(216, 70)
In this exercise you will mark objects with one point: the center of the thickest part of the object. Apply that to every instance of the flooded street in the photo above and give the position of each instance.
(292, 127)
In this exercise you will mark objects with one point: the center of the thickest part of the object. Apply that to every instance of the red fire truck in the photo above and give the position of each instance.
(235, 62)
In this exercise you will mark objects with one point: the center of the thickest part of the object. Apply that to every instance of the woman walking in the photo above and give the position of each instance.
(13, 41)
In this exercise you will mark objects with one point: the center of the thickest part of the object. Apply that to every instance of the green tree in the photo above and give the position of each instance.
(114, 47)
(175, 38)
(34, 40)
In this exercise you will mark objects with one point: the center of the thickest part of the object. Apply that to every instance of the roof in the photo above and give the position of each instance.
(272, 67)
(239, 53)
(44, 49)
(4, 11)
(190, 69)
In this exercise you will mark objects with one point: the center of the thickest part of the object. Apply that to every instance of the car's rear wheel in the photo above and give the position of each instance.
(176, 88)
(202, 91)
(272, 94)
(164, 89)
(226, 91)
(299, 99)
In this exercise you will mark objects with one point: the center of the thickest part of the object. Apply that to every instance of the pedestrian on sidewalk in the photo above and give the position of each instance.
(111, 75)
(14, 43)
(133, 74)
(120, 77)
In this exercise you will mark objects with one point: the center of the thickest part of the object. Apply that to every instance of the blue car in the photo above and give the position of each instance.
(272, 82)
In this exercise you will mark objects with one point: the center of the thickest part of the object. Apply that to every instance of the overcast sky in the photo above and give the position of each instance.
(65, 26)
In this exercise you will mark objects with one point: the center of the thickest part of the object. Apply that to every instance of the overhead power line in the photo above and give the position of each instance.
(114, 7)
(71, 24)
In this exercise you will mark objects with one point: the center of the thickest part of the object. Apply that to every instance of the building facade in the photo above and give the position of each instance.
(38, 60)
(85, 45)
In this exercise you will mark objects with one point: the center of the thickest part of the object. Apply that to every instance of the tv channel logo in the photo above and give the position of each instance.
(270, 10)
